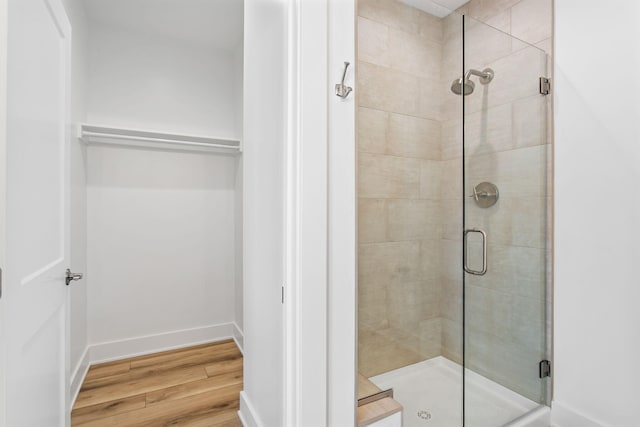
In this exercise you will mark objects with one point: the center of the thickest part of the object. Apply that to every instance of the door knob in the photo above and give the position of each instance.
(72, 276)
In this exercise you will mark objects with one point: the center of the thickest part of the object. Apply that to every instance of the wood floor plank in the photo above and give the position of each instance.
(231, 423)
(208, 418)
(143, 372)
(192, 360)
(181, 349)
(127, 387)
(108, 369)
(150, 359)
(102, 410)
(215, 401)
(194, 387)
(224, 366)
(199, 357)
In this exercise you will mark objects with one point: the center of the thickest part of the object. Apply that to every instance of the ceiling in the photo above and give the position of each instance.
(439, 8)
(216, 23)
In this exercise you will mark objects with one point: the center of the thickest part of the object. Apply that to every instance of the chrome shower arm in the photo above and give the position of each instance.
(485, 75)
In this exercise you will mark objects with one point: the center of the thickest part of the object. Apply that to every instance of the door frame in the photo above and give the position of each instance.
(4, 5)
(320, 302)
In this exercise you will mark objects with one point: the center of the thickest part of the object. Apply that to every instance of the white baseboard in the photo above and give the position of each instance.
(115, 350)
(238, 337)
(77, 377)
(247, 413)
(564, 416)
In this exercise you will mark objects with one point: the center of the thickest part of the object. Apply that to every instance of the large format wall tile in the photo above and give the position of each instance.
(516, 77)
(400, 16)
(372, 220)
(531, 20)
(517, 173)
(413, 137)
(383, 263)
(373, 42)
(413, 54)
(388, 176)
(413, 219)
(373, 130)
(483, 44)
(487, 9)
(430, 179)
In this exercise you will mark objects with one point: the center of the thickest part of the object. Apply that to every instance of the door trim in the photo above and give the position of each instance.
(305, 297)
(320, 294)
(3, 185)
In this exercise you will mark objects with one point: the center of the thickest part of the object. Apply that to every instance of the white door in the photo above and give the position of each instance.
(37, 197)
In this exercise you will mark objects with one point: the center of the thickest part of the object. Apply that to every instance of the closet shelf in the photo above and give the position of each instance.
(92, 134)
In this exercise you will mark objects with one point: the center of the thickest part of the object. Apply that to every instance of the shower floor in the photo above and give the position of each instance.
(431, 394)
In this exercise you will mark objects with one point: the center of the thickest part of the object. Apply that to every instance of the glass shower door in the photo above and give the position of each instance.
(506, 201)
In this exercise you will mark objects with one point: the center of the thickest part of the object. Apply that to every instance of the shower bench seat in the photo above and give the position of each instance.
(375, 411)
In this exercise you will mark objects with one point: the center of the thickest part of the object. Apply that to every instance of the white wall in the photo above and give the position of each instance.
(161, 225)
(265, 94)
(78, 213)
(148, 82)
(597, 166)
(161, 239)
(238, 71)
(3, 166)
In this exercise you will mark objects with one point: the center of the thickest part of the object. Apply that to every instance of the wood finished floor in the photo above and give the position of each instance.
(195, 386)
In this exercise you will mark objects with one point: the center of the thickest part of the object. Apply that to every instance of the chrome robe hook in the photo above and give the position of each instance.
(341, 89)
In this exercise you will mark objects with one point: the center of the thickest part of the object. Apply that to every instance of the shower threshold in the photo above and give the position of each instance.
(431, 394)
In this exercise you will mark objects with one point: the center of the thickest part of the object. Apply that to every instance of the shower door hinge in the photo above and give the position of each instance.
(545, 369)
(545, 86)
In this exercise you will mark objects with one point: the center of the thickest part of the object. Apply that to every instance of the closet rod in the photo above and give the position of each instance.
(160, 140)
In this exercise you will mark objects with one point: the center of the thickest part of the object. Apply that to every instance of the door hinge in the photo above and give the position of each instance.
(545, 369)
(545, 86)
(282, 294)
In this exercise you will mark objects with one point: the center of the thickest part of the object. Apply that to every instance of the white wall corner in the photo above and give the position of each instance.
(77, 377)
(565, 416)
(238, 337)
(247, 413)
(115, 350)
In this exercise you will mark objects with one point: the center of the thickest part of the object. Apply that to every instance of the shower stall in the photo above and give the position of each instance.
(454, 225)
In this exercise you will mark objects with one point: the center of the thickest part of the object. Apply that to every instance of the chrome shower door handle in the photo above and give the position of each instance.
(484, 252)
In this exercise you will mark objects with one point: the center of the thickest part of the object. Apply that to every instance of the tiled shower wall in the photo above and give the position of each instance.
(528, 20)
(410, 188)
(399, 125)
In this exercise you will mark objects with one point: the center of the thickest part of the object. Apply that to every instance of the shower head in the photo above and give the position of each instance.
(461, 84)
(465, 83)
